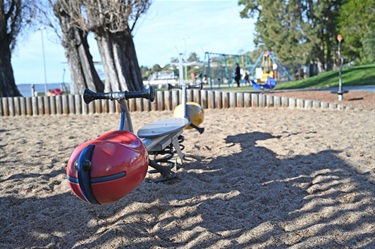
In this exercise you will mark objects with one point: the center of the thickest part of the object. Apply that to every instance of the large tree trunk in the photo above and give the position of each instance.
(8, 86)
(81, 65)
(120, 61)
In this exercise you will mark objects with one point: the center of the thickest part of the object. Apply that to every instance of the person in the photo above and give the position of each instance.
(205, 79)
(246, 78)
(237, 75)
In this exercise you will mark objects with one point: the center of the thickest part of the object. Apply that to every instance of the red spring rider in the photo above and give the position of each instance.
(106, 169)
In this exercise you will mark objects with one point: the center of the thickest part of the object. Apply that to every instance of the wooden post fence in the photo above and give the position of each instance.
(165, 100)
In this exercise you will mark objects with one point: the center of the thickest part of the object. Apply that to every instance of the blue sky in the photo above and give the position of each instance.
(169, 26)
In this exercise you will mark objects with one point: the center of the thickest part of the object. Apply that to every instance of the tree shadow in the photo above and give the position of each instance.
(253, 198)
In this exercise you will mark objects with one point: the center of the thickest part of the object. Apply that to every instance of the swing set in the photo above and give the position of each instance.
(218, 68)
(269, 71)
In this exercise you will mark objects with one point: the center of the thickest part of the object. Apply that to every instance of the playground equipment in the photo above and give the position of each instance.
(219, 68)
(109, 167)
(269, 84)
(268, 66)
(340, 92)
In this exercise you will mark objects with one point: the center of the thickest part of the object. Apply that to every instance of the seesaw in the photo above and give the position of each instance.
(109, 167)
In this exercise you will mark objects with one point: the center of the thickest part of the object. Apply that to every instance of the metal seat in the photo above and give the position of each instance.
(162, 128)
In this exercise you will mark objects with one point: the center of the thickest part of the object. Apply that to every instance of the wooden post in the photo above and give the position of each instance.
(105, 106)
(85, 108)
(232, 99)
(167, 100)
(34, 103)
(324, 105)
(240, 99)
(292, 103)
(262, 100)
(189, 96)
(65, 104)
(211, 100)
(78, 104)
(118, 107)
(277, 101)
(91, 107)
(5, 106)
(332, 106)
(146, 105)
(59, 106)
(131, 105)
(160, 100)
(23, 106)
(11, 106)
(284, 101)
(308, 104)
(16, 103)
(111, 106)
(139, 104)
(218, 100)
(316, 104)
(71, 104)
(300, 103)
(175, 99)
(40, 105)
(225, 98)
(197, 96)
(1, 107)
(204, 103)
(270, 101)
(254, 100)
(98, 106)
(47, 109)
(247, 99)
(29, 106)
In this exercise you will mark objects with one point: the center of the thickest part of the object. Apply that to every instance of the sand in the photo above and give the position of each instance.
(257, 178)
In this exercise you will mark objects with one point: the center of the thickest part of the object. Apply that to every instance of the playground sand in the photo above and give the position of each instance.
(257, 178)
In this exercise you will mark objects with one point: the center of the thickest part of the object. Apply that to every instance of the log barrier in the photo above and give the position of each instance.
(164, 101)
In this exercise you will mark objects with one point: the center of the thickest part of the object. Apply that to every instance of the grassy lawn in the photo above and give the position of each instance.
(353, 76)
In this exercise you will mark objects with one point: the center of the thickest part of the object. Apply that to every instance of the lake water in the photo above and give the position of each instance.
(25, 89)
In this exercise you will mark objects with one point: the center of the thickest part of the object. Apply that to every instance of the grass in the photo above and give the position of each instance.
(352, 76)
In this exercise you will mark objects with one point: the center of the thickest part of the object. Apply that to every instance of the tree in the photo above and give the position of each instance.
(15, 15)
(193, 57)
(298, 31)
(112, 23)
(357, 25)
(76, 46)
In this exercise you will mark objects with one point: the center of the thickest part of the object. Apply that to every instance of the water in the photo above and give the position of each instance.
(25, 89)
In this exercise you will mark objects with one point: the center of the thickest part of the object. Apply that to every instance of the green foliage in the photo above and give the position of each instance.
(193, 57)
(369, 46)
(298, 31)
(357, 25)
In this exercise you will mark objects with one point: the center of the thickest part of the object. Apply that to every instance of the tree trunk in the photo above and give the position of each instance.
(8, 86)
(80, 61)
(120, 61)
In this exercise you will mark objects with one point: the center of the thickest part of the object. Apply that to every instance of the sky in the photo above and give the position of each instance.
(169, 27)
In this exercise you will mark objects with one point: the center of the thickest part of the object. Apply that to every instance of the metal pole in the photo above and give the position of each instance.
(183, 87)
(44, 65)
(340, 92)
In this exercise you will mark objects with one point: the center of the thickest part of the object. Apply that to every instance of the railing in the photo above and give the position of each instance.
(165, 100)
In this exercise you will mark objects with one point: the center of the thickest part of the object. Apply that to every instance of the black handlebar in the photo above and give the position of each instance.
(199, 86)
(89, 95)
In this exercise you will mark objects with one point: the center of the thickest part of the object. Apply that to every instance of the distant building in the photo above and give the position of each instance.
(162, 78)
(163, 75)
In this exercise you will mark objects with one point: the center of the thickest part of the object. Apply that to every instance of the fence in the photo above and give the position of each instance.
(165, 100)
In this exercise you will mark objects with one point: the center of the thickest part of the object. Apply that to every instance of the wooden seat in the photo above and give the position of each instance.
(163, 127)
